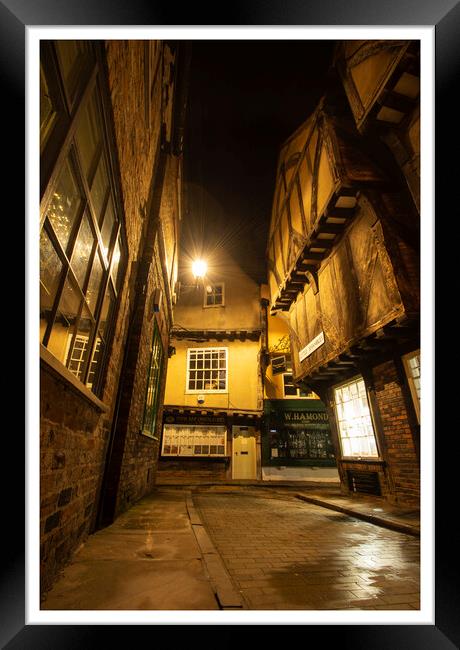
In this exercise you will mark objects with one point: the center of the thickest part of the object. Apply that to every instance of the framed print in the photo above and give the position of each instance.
(22, 27)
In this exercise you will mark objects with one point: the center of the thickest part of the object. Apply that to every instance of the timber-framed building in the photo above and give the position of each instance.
(343, 257)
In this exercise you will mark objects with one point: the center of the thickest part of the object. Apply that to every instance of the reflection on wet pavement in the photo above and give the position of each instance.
(286, 555)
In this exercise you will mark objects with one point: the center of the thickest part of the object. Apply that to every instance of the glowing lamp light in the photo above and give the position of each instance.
(199, 268)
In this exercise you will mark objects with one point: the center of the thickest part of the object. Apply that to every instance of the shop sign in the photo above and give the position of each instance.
(190, 418)
(305, 417)
(312, 346)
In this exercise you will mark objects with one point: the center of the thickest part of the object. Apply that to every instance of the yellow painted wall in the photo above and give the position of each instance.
(277, 329)
(242, 377)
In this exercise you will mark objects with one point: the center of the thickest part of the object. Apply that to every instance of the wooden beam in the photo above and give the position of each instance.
(398, 102)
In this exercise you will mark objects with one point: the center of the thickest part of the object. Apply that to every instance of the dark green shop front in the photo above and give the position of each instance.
(296, 434)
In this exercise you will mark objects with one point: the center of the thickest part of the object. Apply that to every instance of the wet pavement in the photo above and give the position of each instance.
(247, 547)
(285, 554)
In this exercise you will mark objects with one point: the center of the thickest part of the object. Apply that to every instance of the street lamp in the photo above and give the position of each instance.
(199, 268)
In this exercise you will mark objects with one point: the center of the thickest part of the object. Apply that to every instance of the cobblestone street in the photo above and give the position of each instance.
(286, 555)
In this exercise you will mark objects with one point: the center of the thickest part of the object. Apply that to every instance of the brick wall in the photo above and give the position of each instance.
(399, 440)
(73, 438)
(192, 470)
(75, 433)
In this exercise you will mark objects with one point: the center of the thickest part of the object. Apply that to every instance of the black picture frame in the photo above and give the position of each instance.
(444, 16)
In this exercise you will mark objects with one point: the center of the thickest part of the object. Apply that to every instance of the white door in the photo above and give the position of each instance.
(243, 453)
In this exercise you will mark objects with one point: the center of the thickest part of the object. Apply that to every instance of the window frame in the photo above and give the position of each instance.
(197, 391)
(206, 293)
(378, 455)
(157, 344)
(297, 394)
(416, 400)
(59, 150)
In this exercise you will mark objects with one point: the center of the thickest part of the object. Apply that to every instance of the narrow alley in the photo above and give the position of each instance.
(229, 404)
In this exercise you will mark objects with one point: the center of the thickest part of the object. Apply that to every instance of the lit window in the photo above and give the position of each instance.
(412, 366)
(194, 440)
(354, 420)
(82, 251)
(214, 295)
(207, 370)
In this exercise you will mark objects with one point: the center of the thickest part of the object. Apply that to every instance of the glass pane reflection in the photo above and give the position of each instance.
(63, 327)
(50, 271)
(82, 251)
(65, 204)
(88, 136)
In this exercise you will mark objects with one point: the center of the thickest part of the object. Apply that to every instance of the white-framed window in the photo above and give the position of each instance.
(291, 390)
(194, 440)
(412, 367)
(214, 295)
(207, 370)
(356, 430)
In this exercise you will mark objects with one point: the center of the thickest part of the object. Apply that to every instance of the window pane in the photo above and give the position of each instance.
(100, 188)
(72, 56)
(63, 327)
(107, 229)
(116, 267)
(65, 204)
(82, 251)
(88, 136)
(50, 271)
(47, 110)
(79, 352)
(106, 313)
(94, 284)
(95, 363)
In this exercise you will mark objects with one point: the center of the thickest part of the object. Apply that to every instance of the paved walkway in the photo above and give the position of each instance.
(247, 547)
(149, 559)
(285, 554)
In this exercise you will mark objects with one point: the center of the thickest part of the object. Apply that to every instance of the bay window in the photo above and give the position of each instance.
(82, 250)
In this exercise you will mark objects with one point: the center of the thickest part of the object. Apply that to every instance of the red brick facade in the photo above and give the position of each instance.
(95, 462)
(401, 449)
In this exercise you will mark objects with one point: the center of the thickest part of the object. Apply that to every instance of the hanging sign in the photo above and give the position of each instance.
(311, 347)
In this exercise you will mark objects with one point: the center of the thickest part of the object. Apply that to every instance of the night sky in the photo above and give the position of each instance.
(245, 99)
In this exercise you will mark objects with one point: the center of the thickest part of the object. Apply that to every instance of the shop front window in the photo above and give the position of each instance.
(354, 420)
(194, 440)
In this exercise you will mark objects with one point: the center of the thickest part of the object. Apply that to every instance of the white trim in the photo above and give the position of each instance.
(377, 457)
(205, 294)
(195, 391)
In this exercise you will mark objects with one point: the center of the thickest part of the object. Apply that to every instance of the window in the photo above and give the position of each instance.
(153, 385)
(356, 431)
(214, 295)
(207, 370)
(194, 440)
(279, 364)
(412, 366)
(82, 251)
(291, 390)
